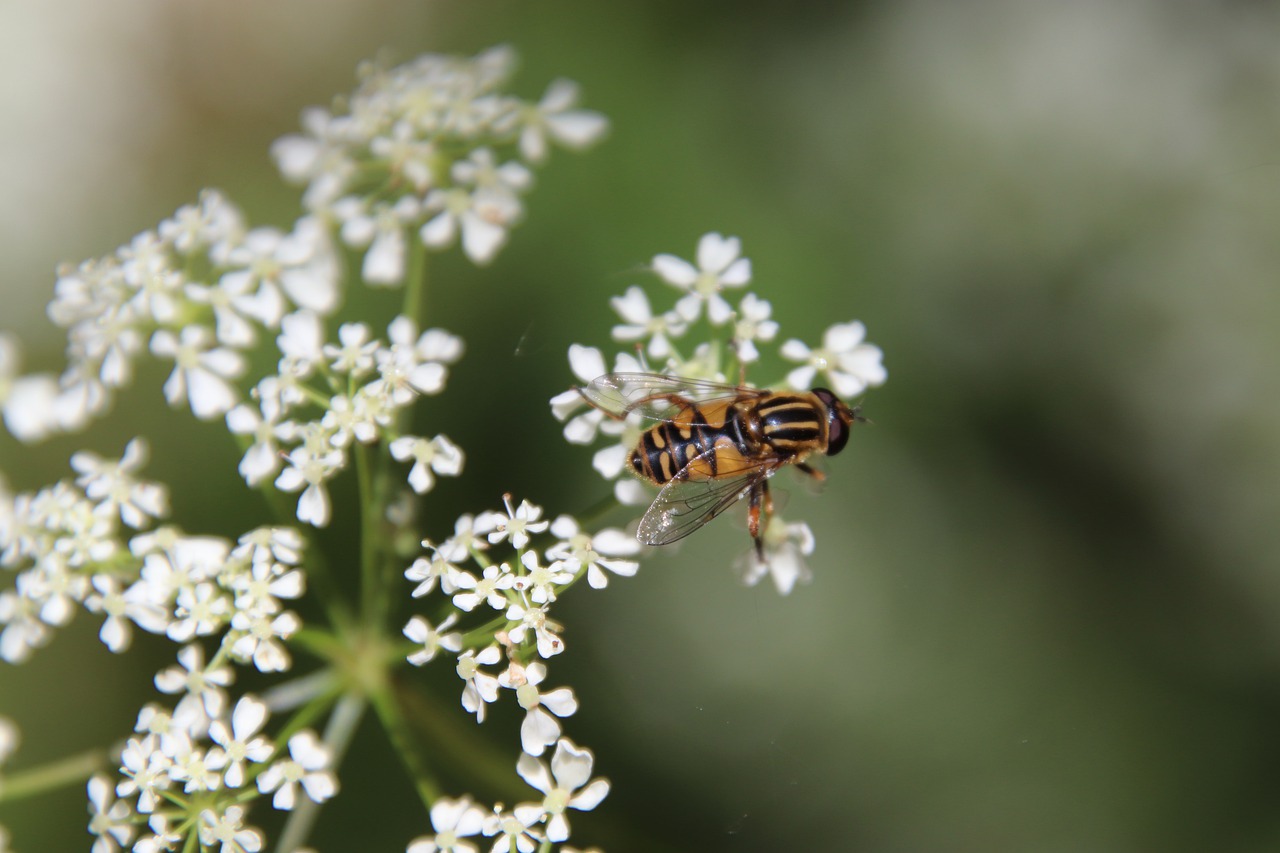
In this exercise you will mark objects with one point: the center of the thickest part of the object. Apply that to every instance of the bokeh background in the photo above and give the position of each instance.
(1046, 596)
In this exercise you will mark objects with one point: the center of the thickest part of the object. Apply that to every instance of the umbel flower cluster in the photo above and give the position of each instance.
(418, 159)
(702, 335)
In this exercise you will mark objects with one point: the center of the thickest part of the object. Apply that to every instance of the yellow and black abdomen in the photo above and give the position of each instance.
(685, 443)
(792, 423)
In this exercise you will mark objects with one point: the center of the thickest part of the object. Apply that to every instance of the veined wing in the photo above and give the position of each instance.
(685, 505)
(657, 397)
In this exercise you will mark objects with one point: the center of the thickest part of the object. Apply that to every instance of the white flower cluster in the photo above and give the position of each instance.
(87, 544)
(353, 388)
(520, 590)
(704, 336)
(188, 773)
(430, 148)
(196, 292)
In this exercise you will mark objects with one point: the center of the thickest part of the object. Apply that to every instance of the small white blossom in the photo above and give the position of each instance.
(240, 740)
(753, 324)
(848, 362)
(145, 770)
(483, 217)
(641, 323)
(438, 454)
(540, 581)
(572, 787)
(452, 820)
(518, 523)
(310, 470)
(116, 490)
(785, 547)
(203, 686)
(540, 729)
(432, 640)
(487, 588)
(719, 266)
(597, 553)
(307, 765)
(227, 831)
(479, 687)
(555, 118)
(259, 638)
(110, 819)
(545, 631)
(200, 371)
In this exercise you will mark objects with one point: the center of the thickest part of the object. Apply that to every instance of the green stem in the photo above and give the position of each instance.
(415, 284)
(402, 740)
(369, 523)
(56, 774)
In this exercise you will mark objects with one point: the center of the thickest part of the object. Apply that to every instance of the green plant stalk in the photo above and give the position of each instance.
(51, 776)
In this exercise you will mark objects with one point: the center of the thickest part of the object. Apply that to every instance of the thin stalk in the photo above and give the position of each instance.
(56, 774)
(402, 740)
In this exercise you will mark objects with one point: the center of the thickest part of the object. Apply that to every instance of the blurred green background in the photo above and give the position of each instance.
(1044, 614)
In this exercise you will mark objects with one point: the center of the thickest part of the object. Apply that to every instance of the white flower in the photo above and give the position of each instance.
(356, 355)
(145, 769)
(307, 765)
(438, 454)
(571, 769)
(28, 403)
(641, 322)
(452, 820)
(507, 831)
(301, 265)
(432, 640)
(850, 364)
(517, 524)
(259, 639)
(240, 740)
(262, 460)
(479, 687)
(718, 267)
(483, 216)
(753, 324)
(554, 117)
(382, 230)
(110, 819)
(203, 686)
(116, 490)
(487, 588)
(301, 342)
(163, 837)
(200, 371)
(539, 729)
(541, 581)
(597, 553)
(415, 364)
(310, 469)
(228, 832)
(785, 547)
(544, 630)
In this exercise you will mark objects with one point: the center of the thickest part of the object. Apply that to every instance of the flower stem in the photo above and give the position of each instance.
(402, 740)
(57, 774)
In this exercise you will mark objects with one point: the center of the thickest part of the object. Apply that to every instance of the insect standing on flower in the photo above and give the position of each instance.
(713, 444)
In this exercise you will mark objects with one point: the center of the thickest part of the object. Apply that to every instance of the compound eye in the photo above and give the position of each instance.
(837, 433)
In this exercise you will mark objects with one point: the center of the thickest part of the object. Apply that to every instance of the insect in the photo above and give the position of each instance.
(710, 445)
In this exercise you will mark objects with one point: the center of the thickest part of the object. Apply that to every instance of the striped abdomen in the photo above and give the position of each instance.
(792, 423)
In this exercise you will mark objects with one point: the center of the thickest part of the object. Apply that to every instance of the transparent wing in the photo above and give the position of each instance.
(655, 396)
(685, 505)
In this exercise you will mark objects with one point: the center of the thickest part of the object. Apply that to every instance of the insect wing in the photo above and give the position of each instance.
(654, 396)
(685, 505)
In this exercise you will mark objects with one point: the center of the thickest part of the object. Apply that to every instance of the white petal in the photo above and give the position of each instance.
(802, 377)
(586, 362)
(843, 337)
(589, 797)
(675, 270)
(794, 350)
(313, 506)
(384, 262)
(535, 773)
(481, 239)
(716, 252)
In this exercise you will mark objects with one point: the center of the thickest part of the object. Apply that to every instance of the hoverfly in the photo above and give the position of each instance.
(713, 444)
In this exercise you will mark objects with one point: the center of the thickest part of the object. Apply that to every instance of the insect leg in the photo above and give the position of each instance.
(812, 472)
(759, 496)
